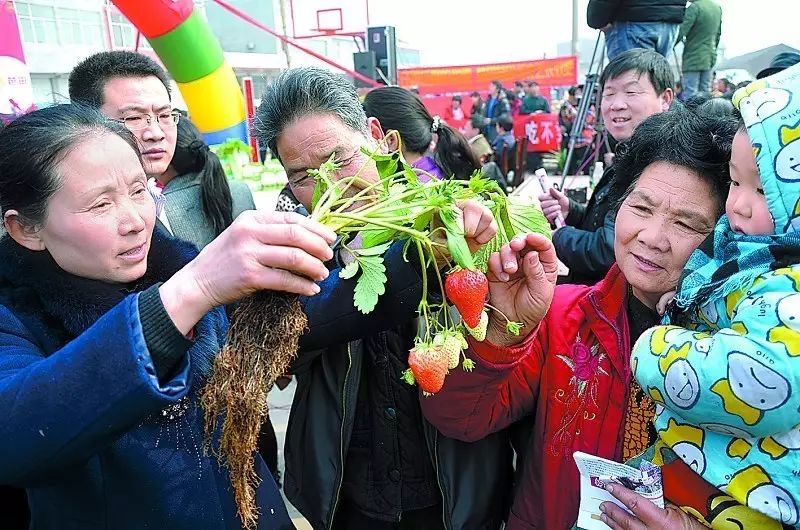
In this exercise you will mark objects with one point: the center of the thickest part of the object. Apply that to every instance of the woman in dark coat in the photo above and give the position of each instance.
(108, 331)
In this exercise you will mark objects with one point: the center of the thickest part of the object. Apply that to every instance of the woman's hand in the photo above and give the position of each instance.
(646, 515)
(522, 277)
(260, 251)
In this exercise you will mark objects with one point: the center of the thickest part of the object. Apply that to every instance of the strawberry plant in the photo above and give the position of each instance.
(425, 215)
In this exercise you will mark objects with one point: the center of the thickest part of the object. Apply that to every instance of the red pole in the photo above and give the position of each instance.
(247, 18)
(247, 85)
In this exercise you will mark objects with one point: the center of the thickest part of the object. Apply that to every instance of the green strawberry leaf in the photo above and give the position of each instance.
(349, 270)
(373, 238)
(468, 365)
(526, 217)
(408, 377)
(371, 283)
(373, 251)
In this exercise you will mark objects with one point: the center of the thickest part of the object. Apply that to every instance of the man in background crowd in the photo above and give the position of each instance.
(628, 24)
(700, 33)
(534, 102)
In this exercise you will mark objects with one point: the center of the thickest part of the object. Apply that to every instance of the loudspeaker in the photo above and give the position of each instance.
(382, 41)
(364, 63)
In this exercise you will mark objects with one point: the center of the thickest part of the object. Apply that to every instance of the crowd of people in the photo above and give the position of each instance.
(673, 338)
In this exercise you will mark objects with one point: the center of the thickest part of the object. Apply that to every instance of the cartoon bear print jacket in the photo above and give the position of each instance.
(727, 382)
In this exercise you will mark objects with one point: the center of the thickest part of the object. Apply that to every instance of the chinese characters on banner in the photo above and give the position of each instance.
(541, 130)
(16, 91)
(560, 71)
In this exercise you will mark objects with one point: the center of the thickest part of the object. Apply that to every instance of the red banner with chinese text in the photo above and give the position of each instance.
(541, 130)
(560, 71)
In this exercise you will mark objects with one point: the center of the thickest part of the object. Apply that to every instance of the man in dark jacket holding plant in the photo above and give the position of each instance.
(359, 454)
(628, 24)
(700, 34)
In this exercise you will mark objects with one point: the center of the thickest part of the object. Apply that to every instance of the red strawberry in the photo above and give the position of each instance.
(428, 365)
(468, 291)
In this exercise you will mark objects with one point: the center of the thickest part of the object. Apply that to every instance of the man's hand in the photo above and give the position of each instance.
(646, 515)
(522, 278)
(553, 203)
(479, 228)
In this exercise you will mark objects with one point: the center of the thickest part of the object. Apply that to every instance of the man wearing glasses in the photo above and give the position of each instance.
(133, 89)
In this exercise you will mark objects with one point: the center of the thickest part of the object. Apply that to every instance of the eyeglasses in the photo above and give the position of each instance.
(137, 122)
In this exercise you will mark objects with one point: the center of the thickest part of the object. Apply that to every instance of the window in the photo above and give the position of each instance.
(123, 34)
(37, 22)
(46, 24)
(76, 26)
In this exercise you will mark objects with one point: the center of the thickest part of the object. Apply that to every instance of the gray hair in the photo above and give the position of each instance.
(298, 92)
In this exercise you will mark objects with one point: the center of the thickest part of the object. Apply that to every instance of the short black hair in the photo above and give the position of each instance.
(457, 98)
(506, 124)
(498, 85)
(642, 62)
(88, 79)
(533, 83)
(700, 142)
(475, 94)
(572, 90)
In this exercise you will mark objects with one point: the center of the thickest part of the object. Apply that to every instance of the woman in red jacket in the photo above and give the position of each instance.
(572, 370)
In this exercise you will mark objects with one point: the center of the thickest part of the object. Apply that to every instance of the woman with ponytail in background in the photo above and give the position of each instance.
(200, 202)
(397, 109)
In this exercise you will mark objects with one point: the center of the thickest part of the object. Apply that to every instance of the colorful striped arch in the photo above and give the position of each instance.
(192, 55)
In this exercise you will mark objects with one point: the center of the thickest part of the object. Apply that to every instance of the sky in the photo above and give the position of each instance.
(460, 32)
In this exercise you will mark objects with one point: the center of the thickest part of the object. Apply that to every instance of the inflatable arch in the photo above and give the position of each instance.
(193, 56)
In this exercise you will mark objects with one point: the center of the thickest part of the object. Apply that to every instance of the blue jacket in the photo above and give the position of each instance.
(88, 429)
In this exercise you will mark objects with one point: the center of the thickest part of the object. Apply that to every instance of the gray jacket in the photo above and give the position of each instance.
(185, 215)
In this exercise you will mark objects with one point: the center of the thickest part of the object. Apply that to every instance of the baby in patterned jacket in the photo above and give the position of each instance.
(726, 377)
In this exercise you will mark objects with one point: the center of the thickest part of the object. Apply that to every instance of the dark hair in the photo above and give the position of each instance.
(681, 137)
(510, 95)
(192, 155)
(299, 92)
(457, 98)
(400, 110)
(534, 83)
(498, 85)
(506, 124)
(572, 90)
(706, 105)
(475, 94)
(32, 147)
(87, 81)
(642, 62)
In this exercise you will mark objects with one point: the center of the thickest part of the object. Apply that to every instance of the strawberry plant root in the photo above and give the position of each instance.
(262, 342)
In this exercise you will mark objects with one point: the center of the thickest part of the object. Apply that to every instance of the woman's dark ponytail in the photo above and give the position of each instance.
(192, 155)
(453, 153)
(401, 110)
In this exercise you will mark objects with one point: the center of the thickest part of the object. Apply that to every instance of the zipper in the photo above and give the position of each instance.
(605, 319)
(438, 477)
(340, 480)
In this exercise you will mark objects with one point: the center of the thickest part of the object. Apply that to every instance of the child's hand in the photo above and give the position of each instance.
(661, 307)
